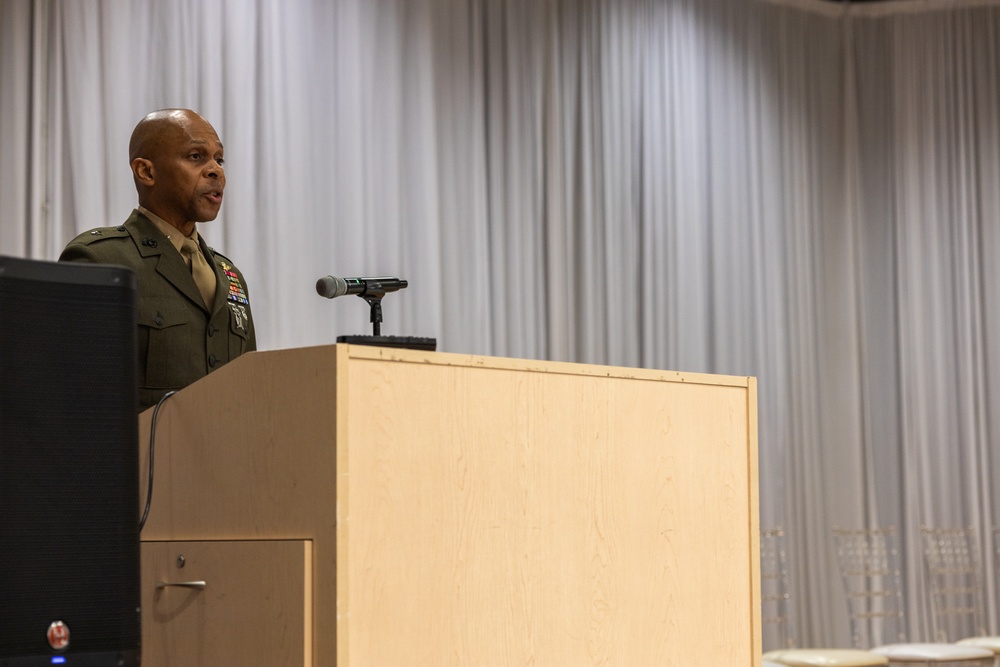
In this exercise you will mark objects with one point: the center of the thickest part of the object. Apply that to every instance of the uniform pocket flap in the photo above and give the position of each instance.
(161, 313)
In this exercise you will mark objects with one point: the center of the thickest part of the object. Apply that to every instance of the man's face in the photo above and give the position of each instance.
(188, 174)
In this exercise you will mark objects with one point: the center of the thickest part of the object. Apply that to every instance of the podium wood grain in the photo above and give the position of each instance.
(465, 510)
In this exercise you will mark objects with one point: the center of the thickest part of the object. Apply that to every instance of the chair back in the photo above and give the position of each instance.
(868, 559)
(953, 582)
(996, 553)
(776, 611)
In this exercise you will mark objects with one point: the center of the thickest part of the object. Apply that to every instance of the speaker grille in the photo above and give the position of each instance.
(69, 543)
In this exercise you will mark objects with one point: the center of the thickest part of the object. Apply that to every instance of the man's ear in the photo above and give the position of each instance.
(142, 169)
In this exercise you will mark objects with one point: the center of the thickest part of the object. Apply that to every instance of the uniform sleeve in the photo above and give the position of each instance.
(252, 338)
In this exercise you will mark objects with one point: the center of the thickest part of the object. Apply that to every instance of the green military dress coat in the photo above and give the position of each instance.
(179, 339)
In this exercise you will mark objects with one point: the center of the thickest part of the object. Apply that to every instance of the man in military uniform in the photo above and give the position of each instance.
(193, 309)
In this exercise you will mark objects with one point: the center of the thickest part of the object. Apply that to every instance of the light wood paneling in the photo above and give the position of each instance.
(255, 607)
(504, 517)
(470, 510)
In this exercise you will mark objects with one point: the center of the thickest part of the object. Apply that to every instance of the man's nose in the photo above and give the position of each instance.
(214, 170)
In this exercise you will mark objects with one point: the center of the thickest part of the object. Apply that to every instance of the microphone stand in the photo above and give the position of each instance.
(373, 296)
(374, 299)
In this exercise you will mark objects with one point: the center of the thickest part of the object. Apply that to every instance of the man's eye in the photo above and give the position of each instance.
(219, 161)
(195, 156)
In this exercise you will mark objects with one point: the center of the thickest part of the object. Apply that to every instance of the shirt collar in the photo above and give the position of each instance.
(171, 232)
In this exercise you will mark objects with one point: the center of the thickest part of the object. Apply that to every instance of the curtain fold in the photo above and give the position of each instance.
(719, 186)
(931, 175)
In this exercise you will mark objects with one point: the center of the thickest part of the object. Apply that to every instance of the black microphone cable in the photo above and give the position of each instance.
(152, 437)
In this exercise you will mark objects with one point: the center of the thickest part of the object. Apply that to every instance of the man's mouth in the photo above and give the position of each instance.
(215, 196)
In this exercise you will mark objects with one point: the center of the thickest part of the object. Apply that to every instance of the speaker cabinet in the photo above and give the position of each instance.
(69, 537)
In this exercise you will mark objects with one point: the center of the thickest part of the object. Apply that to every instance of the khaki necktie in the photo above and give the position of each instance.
(202, 273)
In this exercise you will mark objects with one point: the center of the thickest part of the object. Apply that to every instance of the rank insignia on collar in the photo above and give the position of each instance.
(236, 292)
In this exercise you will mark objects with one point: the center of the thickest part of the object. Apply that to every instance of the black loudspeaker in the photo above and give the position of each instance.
(69, 535)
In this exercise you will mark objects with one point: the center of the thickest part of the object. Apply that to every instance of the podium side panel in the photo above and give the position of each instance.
(249, 453)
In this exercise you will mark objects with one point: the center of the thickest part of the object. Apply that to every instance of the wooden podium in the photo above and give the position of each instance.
(354, 506)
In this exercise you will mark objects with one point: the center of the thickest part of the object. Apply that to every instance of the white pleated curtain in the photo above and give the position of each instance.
(804, 191)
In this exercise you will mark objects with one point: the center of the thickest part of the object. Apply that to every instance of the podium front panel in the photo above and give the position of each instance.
(556, 515)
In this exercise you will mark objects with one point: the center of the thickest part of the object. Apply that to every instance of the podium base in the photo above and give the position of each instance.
(409, 342)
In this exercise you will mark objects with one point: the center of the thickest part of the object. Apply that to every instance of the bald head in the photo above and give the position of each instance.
(176, 160)
(157, 130)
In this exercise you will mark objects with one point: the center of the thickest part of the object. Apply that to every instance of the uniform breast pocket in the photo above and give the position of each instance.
(168, 344)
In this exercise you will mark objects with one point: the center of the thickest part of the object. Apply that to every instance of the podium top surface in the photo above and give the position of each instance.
(518, 364)
(328, 353)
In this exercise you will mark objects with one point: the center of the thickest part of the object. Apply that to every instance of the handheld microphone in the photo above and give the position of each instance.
(332, 286)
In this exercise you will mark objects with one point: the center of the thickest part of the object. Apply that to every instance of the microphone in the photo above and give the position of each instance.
(332, 286)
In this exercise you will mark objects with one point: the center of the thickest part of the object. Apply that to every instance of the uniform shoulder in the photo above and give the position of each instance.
(100, 234)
